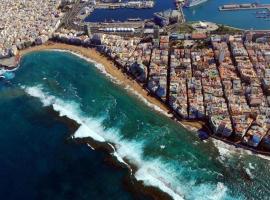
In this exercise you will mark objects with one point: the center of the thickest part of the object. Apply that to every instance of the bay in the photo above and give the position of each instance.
(40, 159)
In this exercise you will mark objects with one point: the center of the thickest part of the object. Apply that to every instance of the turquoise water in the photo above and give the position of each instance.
(41, 160)
(207, 11)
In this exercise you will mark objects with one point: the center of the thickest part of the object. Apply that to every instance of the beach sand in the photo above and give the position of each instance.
(115, 72)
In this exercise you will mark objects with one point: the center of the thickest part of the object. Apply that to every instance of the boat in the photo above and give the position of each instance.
(192, 3)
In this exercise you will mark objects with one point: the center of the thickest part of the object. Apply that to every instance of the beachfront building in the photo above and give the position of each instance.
(118, 48)
(259, 57)
(158, 68)
(24, 23)
(253, 92)
(138, 63)
(71, 37)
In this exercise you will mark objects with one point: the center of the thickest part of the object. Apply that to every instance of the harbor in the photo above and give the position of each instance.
(263, 10)
(244, 18)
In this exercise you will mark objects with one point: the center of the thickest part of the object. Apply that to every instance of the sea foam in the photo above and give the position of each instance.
(152, 172)
(90, 127)
(102, 69)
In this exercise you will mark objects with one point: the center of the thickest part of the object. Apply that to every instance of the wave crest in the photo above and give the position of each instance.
(153, 172)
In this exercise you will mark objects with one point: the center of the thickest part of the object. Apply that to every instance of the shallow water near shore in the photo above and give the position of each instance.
(41, 160)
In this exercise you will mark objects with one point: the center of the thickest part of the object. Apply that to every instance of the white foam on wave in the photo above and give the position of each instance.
(70, 110)
(124, 149)
(263, 157)
(120, 159)
(208, 192)
(252, 166)
(84, 132)
(219, 192)
(151, 105)
(227, 150)
(102, 69)
(153, 172)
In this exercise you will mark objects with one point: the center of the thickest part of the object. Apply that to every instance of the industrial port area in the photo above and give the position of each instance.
(220, 79)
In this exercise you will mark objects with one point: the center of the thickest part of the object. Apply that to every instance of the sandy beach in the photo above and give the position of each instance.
(115, 72)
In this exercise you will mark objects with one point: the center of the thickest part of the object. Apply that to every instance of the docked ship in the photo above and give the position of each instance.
(191, 3)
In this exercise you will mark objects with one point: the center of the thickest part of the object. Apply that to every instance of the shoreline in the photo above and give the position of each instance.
(131, 182)
(113, 71)
(122, 79)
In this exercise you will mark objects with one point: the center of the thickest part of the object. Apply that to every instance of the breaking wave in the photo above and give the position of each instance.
(153, 172)
(102, 69)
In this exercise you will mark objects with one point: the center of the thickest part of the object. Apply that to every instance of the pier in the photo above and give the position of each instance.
(246, 6)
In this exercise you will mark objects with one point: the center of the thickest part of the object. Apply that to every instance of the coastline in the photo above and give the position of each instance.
(108, 65)
(132, 183)
(122, 79)
(113, 71)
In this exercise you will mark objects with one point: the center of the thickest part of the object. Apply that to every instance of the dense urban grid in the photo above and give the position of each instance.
(26, 21)
(221, 79)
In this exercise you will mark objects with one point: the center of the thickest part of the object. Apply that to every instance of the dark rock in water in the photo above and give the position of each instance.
(203, 135)
(10, 62)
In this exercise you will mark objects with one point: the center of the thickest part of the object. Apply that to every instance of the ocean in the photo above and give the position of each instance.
(207, 11)
(58, 102)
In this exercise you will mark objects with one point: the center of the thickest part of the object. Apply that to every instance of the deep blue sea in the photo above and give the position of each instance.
(207, 11)
(42, 158)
